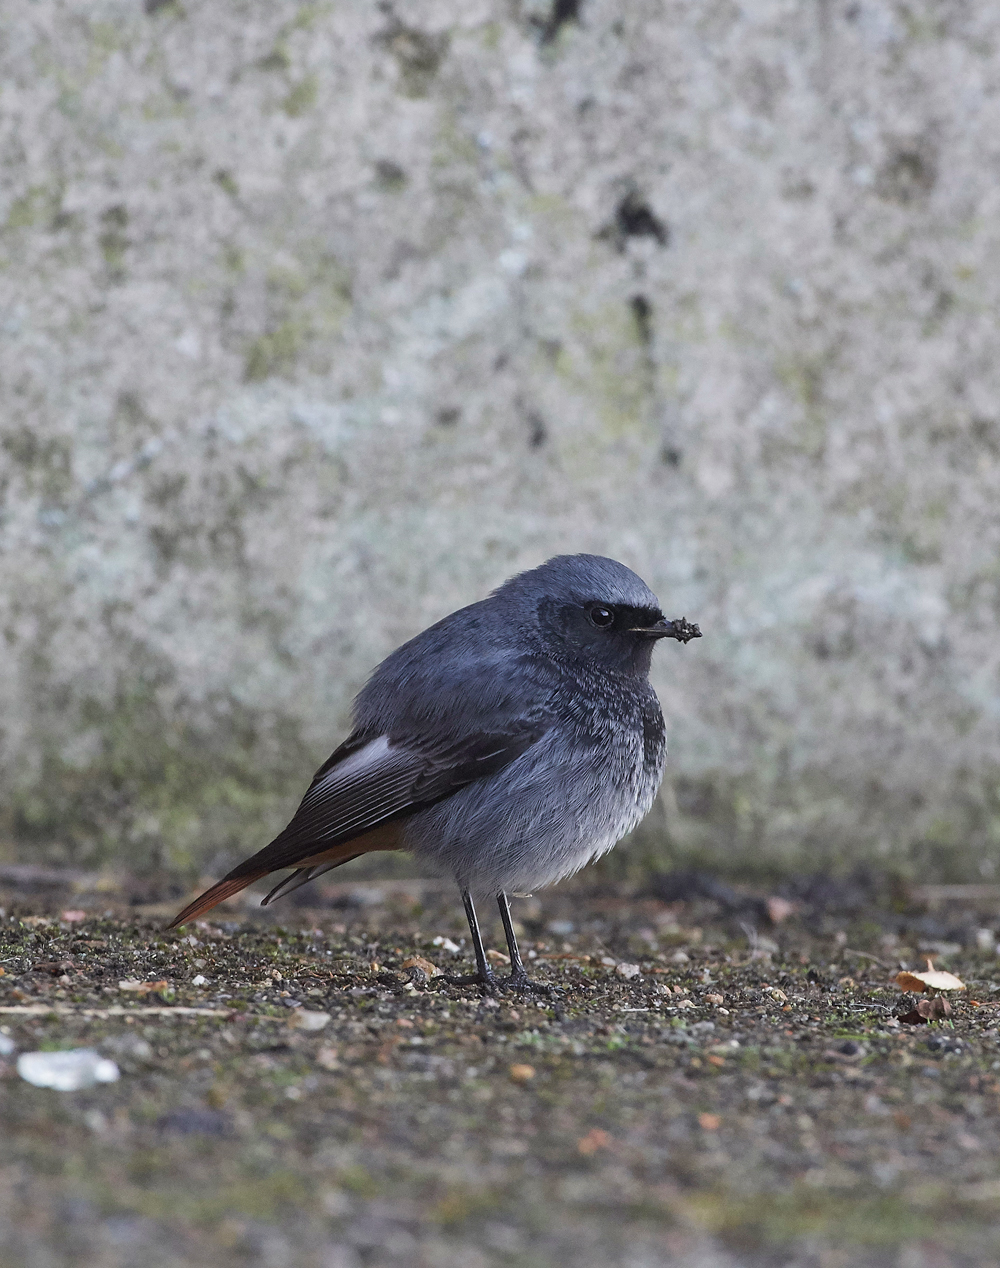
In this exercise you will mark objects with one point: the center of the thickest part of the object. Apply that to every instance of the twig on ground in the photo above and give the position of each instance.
(178, 1010)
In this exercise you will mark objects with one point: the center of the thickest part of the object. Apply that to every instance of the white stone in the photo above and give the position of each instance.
(306, 1019)
(66, 1071)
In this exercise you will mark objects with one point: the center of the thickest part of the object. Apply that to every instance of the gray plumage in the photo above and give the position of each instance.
(599, 747)
(506, 746)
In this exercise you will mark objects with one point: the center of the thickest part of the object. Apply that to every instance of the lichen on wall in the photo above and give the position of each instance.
(320, 320)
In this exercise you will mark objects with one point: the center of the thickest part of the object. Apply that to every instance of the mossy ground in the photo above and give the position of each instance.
(748, 1097)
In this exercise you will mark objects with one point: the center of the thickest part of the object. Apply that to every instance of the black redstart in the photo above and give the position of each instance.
(507, 745)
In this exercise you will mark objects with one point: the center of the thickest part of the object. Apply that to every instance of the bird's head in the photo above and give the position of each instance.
(593, 609)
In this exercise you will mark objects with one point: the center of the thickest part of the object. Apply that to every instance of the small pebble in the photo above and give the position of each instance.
(308, 1020)
(66, 1071)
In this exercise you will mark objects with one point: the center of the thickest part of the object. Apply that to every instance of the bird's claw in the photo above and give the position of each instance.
(488, 981)
(519, 981)
(493, 985)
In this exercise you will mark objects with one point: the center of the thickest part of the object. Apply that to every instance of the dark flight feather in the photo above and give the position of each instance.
(365, 784)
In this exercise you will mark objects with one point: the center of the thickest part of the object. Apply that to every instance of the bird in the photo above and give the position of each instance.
(505, 746)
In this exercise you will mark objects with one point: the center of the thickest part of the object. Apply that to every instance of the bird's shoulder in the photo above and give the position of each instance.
(462, 675)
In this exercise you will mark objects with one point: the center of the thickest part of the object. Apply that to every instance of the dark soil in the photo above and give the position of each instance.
(748, 1097)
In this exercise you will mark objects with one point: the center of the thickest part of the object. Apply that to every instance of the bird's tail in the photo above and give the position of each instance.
(218, 893)
(306, 869)
(302, 876)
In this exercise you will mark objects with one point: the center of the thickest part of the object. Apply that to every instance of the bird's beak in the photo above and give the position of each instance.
(681, 629)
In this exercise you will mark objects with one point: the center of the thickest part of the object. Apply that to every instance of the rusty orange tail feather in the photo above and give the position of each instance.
(218, 893)
(384, 837)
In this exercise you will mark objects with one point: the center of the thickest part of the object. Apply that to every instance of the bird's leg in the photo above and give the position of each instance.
(483, 970)
(517, 969)
(518, 979)
(484, 975)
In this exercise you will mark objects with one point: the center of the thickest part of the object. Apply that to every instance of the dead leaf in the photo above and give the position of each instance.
(594, 1140)
(935, 979)
(424, 966)
(521, 1073)
(716, 1060)
(55, 967)
(143, 988)
(927, 1010)
(497, 957)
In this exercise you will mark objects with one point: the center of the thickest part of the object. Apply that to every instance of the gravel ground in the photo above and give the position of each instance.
(720, 1078)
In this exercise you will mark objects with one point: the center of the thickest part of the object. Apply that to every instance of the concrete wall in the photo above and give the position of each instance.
(319, 320)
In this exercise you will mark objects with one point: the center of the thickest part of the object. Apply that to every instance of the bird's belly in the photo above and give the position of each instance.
(558, 806)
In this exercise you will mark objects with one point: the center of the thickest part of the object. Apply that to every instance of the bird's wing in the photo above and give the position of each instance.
(365, 785)
(381, 780)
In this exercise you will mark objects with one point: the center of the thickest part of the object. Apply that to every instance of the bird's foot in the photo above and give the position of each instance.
(488, 981)
(490, 984)
(518, 980)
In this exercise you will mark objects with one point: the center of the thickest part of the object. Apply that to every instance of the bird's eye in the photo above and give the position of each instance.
(602, 617)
